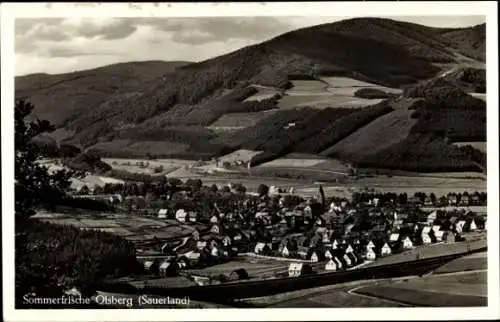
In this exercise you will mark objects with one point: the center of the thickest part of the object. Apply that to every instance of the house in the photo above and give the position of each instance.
(448, 237)
(432, 217)
(193, 216)
(470, 225)
(465, 200)
(328, 254)
(314, 257)
(349, 249)
(151, 266)
(214, 251)
(262, 248)
(168, 268)
(370, 254)
(385, 250)
(215, 229)
(299, 269)
(331, 265)
(370, 244)
(426, 239)
(201, 244)
(436, 228)
(180, 215)
(285, 252)
(335, 244)
(226, 241)
(347, 260)
(394, 237)
(407, 243)
(439, 235)
(162, 213)
(353, 258)
(459, 227)
(214, 219)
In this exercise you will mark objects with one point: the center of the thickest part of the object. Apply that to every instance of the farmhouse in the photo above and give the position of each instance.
(439, 235)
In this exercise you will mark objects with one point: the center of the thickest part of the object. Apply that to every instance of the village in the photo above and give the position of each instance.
(305, 236)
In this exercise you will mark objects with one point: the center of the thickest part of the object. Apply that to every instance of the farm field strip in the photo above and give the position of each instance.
(384, 131)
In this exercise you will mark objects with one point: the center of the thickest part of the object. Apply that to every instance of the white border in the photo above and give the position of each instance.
(9, 11)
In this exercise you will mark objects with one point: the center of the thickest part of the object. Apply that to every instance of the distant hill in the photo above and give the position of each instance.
(168, 107)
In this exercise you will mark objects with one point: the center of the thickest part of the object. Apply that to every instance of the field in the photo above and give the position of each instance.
(235, 121)
(328, 92)
(133, 228)
(377, 135)
(477, 261)
(481, 146)
(467, 289)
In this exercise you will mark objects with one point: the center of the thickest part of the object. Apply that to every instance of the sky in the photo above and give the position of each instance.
(61, 45)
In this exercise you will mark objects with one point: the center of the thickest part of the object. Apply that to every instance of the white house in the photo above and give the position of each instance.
(426, 239)
(386, 250)
(436, 228)
(261, 247)
(285, 252)
(328, 254)
(370, 245)
(162, 213)
(473, 225)
(407, 243)
(180, 215)
(314, 257)
(439, 235)
(201, 244)
(214, 251)
(215, 229)
(349, 249)
(394, 237)
(432, 217)
(331, 265)
(426, 230)
(347, 260)
(298, 269)
(214, 219)
(335, 244)
(370, 254)
(460, 226)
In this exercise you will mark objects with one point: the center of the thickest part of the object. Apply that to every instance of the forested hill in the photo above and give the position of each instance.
(103, 104)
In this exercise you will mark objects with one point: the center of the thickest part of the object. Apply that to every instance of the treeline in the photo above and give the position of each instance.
(341, 128)
(451, 113)
(50, 148)
(421, 153)
(372, 93)
(89, 161)
(404, 199)
(51, 259)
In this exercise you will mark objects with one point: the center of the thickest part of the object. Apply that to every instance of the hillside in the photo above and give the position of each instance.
(197, 110)
(86, 90)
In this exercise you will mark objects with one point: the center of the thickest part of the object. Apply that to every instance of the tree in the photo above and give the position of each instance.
(263, 190)
(34, 185)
